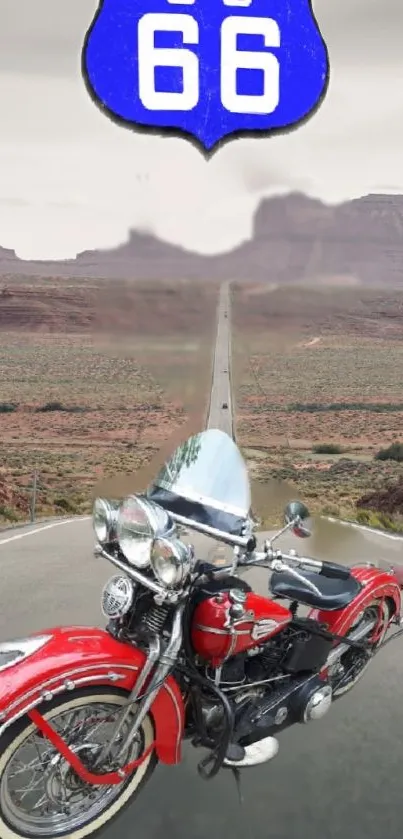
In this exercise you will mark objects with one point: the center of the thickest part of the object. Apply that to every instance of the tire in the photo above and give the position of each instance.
(112, 800)
(345, 659)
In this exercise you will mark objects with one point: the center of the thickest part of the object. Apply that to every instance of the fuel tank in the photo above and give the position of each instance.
(233, 622)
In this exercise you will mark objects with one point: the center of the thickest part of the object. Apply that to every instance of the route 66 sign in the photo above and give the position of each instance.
(207, 70)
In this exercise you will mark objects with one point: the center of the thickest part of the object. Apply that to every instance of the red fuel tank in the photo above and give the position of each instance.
(217, 636)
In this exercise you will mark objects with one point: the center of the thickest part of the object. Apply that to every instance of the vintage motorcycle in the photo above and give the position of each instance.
(190, 652)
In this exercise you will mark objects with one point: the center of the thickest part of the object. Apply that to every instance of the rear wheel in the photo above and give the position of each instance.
(349, 670)
(40, 795)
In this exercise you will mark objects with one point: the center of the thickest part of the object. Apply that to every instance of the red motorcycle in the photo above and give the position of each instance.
(190, 652)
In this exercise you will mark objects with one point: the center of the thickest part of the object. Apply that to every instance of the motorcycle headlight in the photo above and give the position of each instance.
(171, 562)
(104, 514)
(135, 531)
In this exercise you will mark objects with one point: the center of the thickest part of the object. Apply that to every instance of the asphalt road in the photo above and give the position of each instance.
(220, 413)
(336, 777)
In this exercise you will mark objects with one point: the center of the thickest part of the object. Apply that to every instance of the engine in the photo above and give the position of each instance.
(272, 686)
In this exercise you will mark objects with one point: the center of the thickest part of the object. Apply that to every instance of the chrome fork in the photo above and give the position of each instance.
(165, 661)
(154, 651)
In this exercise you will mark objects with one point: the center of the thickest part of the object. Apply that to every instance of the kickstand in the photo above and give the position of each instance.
(237, 776)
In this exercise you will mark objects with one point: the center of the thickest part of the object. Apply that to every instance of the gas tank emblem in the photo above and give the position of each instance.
(264, 627)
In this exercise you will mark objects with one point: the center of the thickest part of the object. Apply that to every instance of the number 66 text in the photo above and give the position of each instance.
(232, 59)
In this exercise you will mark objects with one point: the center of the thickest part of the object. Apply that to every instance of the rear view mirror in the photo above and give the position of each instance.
(297, 516)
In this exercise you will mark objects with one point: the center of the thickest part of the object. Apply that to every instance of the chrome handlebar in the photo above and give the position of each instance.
(273, 560)
(280, 561)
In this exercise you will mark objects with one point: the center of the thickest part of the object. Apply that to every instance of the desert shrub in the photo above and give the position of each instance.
(7, 513)
(49, 406)
(393, 452)
(364, 516)
(65, 504)
(58, 406)
(327, 448)
(8, 407)
(378, 520)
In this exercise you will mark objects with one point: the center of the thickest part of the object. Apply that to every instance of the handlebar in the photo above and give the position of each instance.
(278, 562)
(332, 570)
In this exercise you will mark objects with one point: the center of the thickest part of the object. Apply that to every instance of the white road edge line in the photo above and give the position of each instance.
(365, 529)
(42, 528)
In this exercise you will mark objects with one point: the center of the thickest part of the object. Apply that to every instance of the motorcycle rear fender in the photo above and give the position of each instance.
(377, 585)
(75, 657)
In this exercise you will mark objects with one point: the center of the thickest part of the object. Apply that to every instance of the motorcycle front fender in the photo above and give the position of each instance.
(65, 658)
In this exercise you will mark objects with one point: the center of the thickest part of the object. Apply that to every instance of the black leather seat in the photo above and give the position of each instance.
(334, 594)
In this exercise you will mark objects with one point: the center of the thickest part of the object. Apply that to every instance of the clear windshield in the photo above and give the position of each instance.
(205, 480)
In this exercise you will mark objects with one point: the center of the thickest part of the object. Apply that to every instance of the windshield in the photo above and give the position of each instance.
(205, 481)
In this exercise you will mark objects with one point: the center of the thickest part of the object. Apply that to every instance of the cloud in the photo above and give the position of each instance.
(14, 202)
(43, 36)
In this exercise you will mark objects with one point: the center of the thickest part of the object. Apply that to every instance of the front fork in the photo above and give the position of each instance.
(162, 662)
(154, 651)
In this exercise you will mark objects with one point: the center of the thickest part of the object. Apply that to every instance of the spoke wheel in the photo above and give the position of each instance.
(353, 664)
(40, 794)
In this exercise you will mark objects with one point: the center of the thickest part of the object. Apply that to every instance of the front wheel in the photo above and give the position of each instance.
(40, 795)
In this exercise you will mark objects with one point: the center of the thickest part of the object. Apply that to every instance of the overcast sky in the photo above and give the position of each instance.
(64, 183)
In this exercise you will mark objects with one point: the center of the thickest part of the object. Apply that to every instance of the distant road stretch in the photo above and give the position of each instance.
(220, 413)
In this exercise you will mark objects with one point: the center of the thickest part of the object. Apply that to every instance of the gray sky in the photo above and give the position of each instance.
(54, 143)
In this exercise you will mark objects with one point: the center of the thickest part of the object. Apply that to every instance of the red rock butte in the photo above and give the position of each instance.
(295, 239)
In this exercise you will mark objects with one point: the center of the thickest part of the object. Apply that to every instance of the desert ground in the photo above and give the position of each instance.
(98, 378)
(94, 381)
(318, 387)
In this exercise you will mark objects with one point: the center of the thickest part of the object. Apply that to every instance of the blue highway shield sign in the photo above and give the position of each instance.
(207, 70)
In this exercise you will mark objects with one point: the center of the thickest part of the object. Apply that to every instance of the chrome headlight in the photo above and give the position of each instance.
(138, 522)
(104, 515)
(171, 562)
(117, 597)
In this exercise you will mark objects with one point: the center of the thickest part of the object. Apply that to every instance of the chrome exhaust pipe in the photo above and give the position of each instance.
(357, 635)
